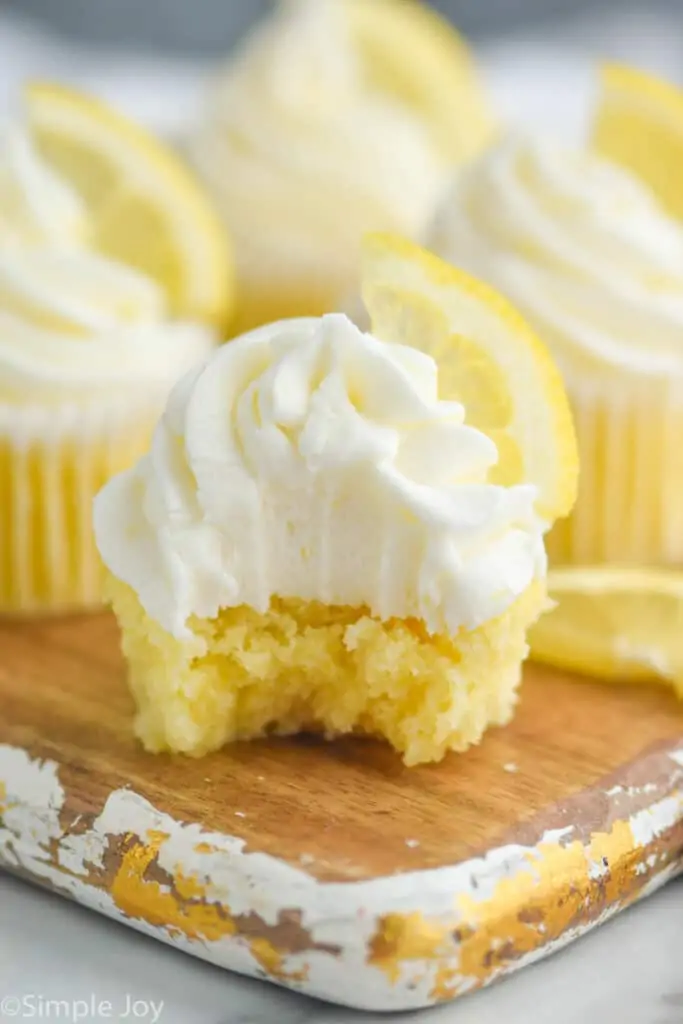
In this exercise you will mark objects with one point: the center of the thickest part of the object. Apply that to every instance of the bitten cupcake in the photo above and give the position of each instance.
(90, 343)
(334, 118)
(587, 249)
(318, 541)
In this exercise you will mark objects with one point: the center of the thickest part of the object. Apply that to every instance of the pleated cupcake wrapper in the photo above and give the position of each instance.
(630, 506)
(52, 463)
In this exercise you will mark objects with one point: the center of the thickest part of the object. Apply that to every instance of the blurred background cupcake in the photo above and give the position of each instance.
(589, 245)
(319, 130)
(378, 75)
(113, 282)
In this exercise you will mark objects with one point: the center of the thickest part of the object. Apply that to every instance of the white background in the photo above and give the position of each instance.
(631, 970)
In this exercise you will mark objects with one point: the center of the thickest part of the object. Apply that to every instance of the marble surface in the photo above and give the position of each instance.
(630, 971)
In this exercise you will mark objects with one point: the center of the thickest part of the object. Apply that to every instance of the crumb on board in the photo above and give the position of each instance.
(412, 844)
(511, 768)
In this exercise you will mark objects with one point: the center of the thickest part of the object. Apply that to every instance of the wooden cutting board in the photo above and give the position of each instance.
(331, 868)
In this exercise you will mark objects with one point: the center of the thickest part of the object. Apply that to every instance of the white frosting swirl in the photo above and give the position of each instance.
(73, 322)
(578, 244)
(303, 157)
(309, 460)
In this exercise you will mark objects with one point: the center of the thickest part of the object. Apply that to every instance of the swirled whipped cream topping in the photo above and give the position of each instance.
(74, 323)
(580, 245)
(309, 460)
(303, 156)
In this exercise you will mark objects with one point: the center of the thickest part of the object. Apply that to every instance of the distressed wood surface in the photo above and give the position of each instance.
(331, 868)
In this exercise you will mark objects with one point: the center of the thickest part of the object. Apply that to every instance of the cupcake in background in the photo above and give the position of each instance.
(336, 117)
(113, 282)
(587, 245)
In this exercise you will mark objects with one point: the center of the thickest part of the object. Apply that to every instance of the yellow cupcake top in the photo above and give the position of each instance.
(72, 321)
(581, 245)
(306, 150)
(115, 273)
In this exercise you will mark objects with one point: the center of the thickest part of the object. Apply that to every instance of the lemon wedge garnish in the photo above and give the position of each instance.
(621, 624)
(145, 208)
(488, 358)
(410, 52)
(640, 126)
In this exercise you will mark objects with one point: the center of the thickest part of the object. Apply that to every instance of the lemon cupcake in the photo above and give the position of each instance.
(336, 117)
(318, 541)
(101, 312)
(589, 251)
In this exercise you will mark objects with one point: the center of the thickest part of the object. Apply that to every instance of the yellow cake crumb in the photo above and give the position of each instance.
(311, 667)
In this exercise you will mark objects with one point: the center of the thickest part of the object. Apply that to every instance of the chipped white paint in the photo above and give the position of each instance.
(632, 791)
(564, 940)
(30, 827)
(598, 869)
(30, 819)
(652, 822)
(556, 835)
(670, 872)
(343, 915)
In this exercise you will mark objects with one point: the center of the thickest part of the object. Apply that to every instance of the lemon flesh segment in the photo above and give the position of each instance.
(145, 208)
(639, 125)
(613, 623)
(488, 358)
(413, 54)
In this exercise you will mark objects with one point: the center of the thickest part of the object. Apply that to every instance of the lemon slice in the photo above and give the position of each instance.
(615, 623)
(145, 208)
(489, 359)
(410, 52)
(640, 125)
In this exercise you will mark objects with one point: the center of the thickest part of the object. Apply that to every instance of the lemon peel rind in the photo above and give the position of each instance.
(617, 78)
(457, 94)
(639, 125)
(554, 640)
(210, 267)
(557, 499)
